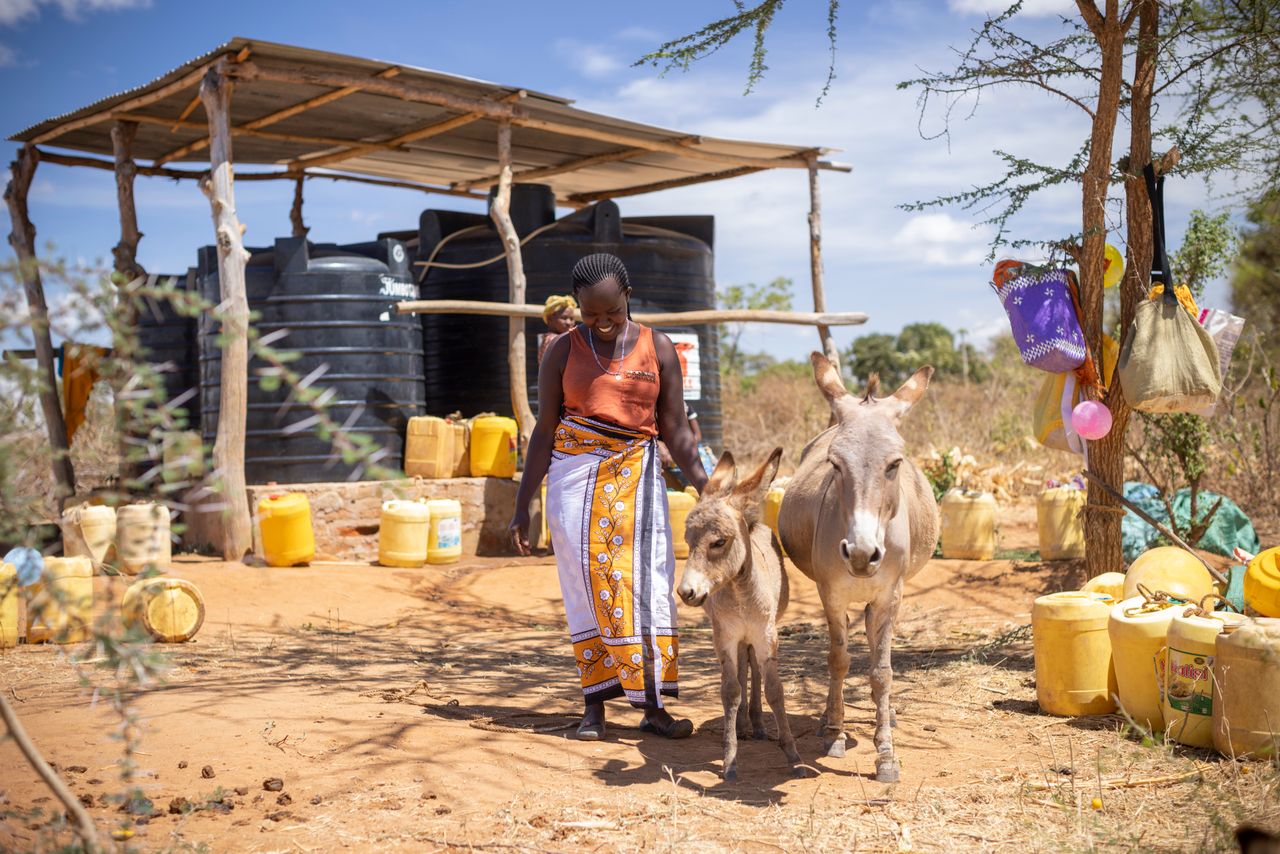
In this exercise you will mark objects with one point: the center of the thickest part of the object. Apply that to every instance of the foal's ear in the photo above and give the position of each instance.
(910, 393)
(723, 477)
(760, 479)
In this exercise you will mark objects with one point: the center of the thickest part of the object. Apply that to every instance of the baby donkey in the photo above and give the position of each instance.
(735, 570)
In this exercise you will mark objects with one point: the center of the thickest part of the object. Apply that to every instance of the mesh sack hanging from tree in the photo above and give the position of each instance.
(1169, 362)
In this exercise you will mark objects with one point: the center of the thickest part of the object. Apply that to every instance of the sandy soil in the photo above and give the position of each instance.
(395, 705)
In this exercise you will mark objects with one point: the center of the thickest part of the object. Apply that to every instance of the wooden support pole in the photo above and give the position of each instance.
(299, 229)
(235, 536)
(815, 263)
(126, 251)
(701, 317)
(23, 240)
(501, 213)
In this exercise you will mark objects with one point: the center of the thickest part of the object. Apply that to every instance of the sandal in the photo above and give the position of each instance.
(591, 731)
(678, 728)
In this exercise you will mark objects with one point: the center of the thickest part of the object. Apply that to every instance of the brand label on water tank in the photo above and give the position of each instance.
(397, 289)
(690, 363)
(397, 253)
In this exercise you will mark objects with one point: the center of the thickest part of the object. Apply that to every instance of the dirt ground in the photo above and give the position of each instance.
(396, 706)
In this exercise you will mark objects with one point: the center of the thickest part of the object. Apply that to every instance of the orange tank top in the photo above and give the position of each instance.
(624, 393)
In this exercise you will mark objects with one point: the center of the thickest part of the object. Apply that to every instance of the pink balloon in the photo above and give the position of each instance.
(1091, 419)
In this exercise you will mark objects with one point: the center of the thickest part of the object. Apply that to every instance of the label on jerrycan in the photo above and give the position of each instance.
(1189, 682)
(449, 533)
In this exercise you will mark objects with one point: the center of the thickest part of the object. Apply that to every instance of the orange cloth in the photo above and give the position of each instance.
(630, 401)
(79, 373)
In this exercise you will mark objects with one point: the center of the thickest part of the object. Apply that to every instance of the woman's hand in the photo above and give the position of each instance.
(519, 531)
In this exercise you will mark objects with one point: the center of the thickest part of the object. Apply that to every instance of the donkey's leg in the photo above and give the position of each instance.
(777, 704)
(831, 725)
(880, 618)
(744, 685)
(757, 710)
(731, 698)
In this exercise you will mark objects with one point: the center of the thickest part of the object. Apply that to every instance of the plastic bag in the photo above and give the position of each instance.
(1225, 328)
(1047, 421)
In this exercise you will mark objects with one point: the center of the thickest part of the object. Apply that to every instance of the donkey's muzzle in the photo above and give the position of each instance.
(861, 561)
(690, 597)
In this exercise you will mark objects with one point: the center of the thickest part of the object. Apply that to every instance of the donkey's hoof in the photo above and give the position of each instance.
(730, 773)
(887, 771)
(799, 772)
(835, 748)
(760, 734)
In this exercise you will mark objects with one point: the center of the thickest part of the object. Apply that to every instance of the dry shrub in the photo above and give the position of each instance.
(781, 406)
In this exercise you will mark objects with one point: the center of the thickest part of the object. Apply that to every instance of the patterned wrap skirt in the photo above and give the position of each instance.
(607, 515)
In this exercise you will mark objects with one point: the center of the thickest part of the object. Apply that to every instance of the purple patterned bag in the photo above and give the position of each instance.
(1042, 315)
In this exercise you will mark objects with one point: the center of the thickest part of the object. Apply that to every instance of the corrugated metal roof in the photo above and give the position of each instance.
(375, 129)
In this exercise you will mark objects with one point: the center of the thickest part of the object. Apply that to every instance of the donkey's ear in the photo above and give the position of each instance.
(759, 480)
(827, 378)
(723, 477)
(910, 393)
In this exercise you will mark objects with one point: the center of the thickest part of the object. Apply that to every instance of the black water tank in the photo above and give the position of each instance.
(337, 304)
(669, 260)
(167, 340)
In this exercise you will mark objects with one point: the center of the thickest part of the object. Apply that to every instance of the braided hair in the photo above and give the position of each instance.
(594, 269)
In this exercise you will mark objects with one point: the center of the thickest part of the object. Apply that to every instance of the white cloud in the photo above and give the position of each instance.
(15, 11)
(8, 56)
(1030, 8)
(590, 60)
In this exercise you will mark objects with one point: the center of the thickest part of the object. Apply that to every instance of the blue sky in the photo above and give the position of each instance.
(900, 267)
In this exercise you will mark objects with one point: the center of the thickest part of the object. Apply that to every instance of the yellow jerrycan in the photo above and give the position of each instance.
(1111, 583)
(1171, 570)
(968, 525)
(444, 540)
(1246, 672)
(142, 537)
(1074, 675)
(284, 520)
(1138, 629)
(428, 449)
(461, 449)
(1058, 522)
(8, 605)
(60, 605)
(89, 530)
(171, 610)
(678, 505)
(493, 447)
(1262, 584)
(1188, 669)
(769, 510)
(402, 535)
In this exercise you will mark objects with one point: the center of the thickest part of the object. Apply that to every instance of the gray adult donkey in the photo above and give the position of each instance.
(859, 518)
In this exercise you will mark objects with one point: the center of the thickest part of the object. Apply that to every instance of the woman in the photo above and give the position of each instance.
(606, 392)
(557, 314)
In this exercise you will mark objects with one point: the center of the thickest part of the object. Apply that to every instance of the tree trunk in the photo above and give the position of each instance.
(1104, 551)
(235, 535)
(23, 240)
(501, 213)
(1106, 457)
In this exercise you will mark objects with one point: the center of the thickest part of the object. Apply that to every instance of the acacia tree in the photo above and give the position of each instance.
(1212, 62)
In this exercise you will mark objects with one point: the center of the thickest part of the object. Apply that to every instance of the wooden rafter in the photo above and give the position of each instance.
(277, 116)
(392, 142)
(415, 92)
(283, 175)
(587, 198)
(195, 100)
(241, 130)
(793, 162)
(614, 156)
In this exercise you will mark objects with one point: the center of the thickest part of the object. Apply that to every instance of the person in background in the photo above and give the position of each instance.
(559, 314)
(670, 471)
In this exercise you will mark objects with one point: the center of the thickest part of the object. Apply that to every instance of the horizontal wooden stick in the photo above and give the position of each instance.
(675, 318)
(526, 175)
(193, 174)
(243, 130)
(405, 91)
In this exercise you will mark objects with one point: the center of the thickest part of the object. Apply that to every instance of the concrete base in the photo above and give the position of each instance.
(346, 516)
